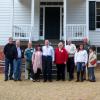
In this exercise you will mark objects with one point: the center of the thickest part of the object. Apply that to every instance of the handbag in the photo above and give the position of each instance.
(93, 62)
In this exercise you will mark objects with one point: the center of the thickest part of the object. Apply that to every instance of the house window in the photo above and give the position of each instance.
(97, 14)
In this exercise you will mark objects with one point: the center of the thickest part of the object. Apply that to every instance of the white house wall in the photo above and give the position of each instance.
(5, 21)
(22, 11)
(76, 12)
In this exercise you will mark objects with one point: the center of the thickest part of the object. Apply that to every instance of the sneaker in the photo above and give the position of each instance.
(31, 79)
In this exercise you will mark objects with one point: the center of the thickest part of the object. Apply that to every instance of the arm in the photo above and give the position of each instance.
(33, 57)
(53, 54)
(86, 57)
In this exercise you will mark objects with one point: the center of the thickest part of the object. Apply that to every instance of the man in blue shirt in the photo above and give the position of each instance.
(28, 60)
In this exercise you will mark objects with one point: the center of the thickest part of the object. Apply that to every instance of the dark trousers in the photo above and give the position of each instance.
(7, 63)
(60, 71)
(37, 75)
(47, 67)
(70, 67)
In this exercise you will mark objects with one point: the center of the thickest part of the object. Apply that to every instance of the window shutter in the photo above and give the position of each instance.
(91, 15)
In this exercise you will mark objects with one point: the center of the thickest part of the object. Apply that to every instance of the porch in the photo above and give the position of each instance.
(73, 20)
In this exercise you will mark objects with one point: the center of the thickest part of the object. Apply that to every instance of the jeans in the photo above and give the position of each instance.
(80, 66)
(91, 73)
(7, 63)
(17, 69)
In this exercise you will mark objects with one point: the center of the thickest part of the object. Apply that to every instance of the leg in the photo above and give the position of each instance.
(26, 71)
(15, 68)
(83, 69)
(68, 69)
(78, 71)
(58, 72)
(63, 71)
(44, 64)
(6, 68)
(72, 65)
(49, 70)
(11, 70)
(38, 75)
(92, 74)
(19, 69)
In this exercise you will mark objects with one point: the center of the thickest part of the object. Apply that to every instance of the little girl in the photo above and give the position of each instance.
(92, 64)
(37, 63)
(80, 59)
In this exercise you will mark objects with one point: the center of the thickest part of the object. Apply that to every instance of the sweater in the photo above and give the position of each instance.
(61, 56)
(92, 57)
(81, 56)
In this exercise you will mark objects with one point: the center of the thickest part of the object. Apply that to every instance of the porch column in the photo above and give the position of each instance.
(35, 20)
(87, 19)
(65, 20)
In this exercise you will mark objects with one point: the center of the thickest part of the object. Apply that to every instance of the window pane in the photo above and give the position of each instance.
(98, 4)
(98, 24)
(98, 11)
(98, 18)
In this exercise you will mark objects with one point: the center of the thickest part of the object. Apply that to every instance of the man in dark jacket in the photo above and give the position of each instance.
(10, 54)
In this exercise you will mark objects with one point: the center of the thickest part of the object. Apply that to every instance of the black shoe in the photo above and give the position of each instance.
(50, 80)
(6, 80)
(57, 79)
(15, 80)
(19, 80)
(77, 81)
(92, 80)
(10, 78)
(34, 80)
(44, 80)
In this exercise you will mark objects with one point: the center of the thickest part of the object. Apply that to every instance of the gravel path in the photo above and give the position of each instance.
(27, 90)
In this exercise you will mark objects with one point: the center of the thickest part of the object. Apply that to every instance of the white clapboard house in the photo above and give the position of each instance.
(50, 19)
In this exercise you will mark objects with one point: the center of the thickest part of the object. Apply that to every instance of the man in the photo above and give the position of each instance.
(28, 57)
(71, 49)
(17, 62)
(48, 58)
(9, 57)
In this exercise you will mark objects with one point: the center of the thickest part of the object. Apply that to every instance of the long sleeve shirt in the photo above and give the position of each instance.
(81, 56)
(48, 51)
(71, 49)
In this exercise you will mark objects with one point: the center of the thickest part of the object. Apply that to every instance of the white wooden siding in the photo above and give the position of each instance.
(5, 20)
(22, 11)
(76, 11)
(94, 37)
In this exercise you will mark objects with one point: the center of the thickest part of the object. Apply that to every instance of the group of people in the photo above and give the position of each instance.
(40, 60)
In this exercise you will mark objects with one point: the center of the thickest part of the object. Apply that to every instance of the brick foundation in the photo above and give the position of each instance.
(1, 59)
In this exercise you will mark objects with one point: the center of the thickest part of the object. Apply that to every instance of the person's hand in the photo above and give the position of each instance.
(65, 62)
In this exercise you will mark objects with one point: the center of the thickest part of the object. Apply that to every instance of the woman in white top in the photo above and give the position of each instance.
(80, 59)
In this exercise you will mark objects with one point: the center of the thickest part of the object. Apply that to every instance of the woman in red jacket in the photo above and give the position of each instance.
(61, 57)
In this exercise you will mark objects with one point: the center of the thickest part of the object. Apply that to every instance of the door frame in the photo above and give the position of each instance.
(61, 16)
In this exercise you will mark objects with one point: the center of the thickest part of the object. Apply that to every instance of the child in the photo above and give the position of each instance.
(80, 59)
(92, 64)
(37, 63)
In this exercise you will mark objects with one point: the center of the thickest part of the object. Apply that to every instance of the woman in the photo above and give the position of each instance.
(92, 64)
(37, 63)
(61, 56)
(81, 58)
